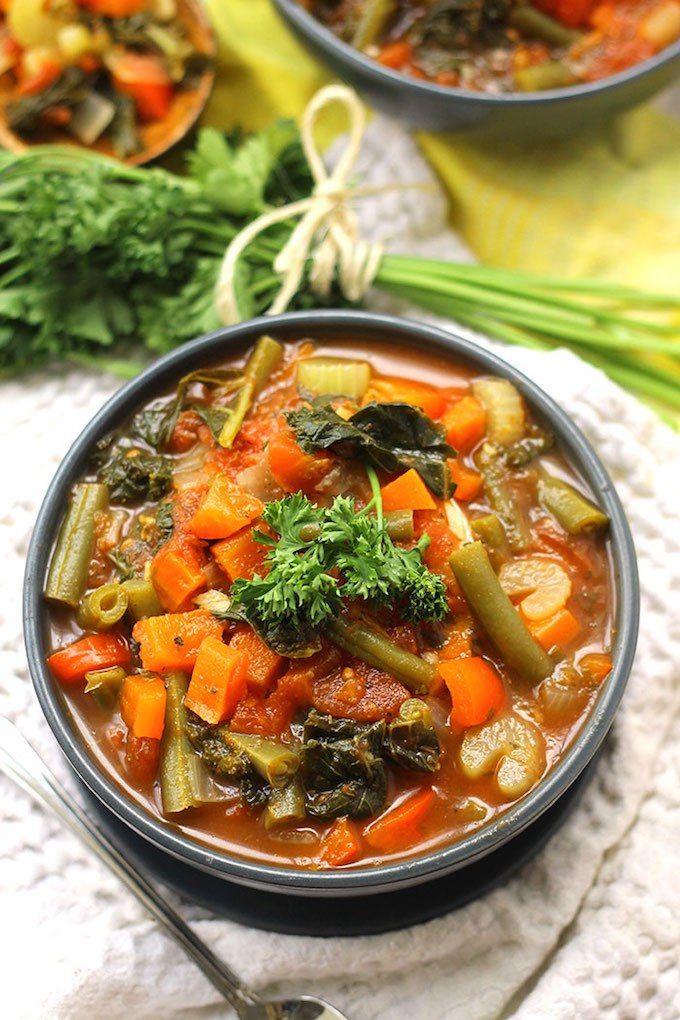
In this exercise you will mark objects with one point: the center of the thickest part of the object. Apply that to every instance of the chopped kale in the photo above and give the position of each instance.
(133, 475)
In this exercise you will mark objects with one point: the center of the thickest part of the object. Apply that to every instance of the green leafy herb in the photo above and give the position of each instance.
(391, 437)
(301, 591)
(69, 88)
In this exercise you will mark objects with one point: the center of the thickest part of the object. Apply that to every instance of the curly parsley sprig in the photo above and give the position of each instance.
(350, 556)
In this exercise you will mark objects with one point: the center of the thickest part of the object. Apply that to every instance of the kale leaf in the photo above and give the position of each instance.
(133, 475)
(390, 436)
(342, 771)
(410, 739)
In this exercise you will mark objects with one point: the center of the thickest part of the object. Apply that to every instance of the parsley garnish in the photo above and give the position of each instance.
(351, 557)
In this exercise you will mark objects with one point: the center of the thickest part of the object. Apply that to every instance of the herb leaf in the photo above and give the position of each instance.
(390, 436)
(133, 475)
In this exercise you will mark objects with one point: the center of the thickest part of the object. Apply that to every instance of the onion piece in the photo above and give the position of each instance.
(91, 117)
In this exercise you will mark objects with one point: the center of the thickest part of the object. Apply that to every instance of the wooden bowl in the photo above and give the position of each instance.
(157, 137)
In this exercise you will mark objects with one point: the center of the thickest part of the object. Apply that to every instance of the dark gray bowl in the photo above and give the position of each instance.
(337, 326)
(520, 116)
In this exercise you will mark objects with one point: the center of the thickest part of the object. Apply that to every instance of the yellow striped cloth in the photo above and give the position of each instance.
(606, 206)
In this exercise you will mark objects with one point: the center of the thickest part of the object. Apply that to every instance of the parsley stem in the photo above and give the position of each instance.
(377, 495)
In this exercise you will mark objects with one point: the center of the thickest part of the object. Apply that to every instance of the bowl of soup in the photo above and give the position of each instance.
(518, 70)
(330, 602)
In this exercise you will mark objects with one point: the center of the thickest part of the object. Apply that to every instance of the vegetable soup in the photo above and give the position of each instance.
(323, 607)
(504, 45)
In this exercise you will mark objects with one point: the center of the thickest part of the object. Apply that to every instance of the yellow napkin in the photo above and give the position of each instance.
(604, 205)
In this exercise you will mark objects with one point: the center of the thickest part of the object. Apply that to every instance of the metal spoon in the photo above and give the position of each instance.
(22, 764)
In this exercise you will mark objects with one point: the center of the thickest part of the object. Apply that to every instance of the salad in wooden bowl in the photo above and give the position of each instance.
(128, 78)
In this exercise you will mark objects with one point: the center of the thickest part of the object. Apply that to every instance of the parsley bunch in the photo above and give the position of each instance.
(351, 556)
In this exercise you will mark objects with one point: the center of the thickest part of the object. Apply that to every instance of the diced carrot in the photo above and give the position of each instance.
(240, 555)
(264, 665)
(145, 79)
(476, 690)
(218, 681)
(292, 468)
(113, 8)
(95, 651)
(407, 492)
(469, 483)
(341, 844)
(41, 80)
(596, 666)
(177, 573)
(465, 424)
(225, 509)
(172, 641)
(57, 116)
(395, 55)
(557, 631)
(398, 827)
(142, 705)
(429, 399)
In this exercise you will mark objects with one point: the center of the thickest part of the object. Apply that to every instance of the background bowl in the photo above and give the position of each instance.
(521, 116)
(157, 137)
(335, 326)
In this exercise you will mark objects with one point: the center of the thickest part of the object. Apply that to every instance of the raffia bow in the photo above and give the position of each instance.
(327, 232)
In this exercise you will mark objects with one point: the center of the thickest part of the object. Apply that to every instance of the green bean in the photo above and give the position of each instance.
(70, 566)
(374, 648)
(492, 533)
(104, 685)
(505, 418)
(275, 761)
(184, 780)
(552, 75)
(372, 22)
(260, 365)
(490, 463)
(576, 514)
(142, 598)
(533, 22)
(103, 607)
(398, 524)
(286, 806)
(494, 610)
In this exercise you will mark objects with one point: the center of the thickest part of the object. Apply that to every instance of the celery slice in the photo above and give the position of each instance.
(335, 377)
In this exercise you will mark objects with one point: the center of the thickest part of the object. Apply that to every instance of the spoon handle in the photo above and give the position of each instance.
(21, 763)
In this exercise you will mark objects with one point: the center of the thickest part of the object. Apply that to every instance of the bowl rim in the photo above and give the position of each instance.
(326, 325)
(322, 36)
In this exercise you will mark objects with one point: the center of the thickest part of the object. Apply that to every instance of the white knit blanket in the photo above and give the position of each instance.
(589, 929)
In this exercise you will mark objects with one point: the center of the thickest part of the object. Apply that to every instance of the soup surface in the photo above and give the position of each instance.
(504, 45)
(323, 606)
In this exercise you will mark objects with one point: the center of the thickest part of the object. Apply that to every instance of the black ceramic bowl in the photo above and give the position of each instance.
(521, 116)
(157, 379)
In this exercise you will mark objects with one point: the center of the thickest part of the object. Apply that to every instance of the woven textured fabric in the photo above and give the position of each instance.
(589, 928)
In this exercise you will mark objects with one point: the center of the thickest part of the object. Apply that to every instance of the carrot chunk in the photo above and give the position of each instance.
(398, 827)
(264, 665)
(557, 630)
(341, 844)
(465, 424)
(596, 666)
(469, 483)
(407, 492)
(218, 681)
(172, 641)
(95, 651)
(476, 690)
(240, 555)
(142, 705)
(429, 399)
(177, 574)
(293, 469)
(224, 510)
(396, 54)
